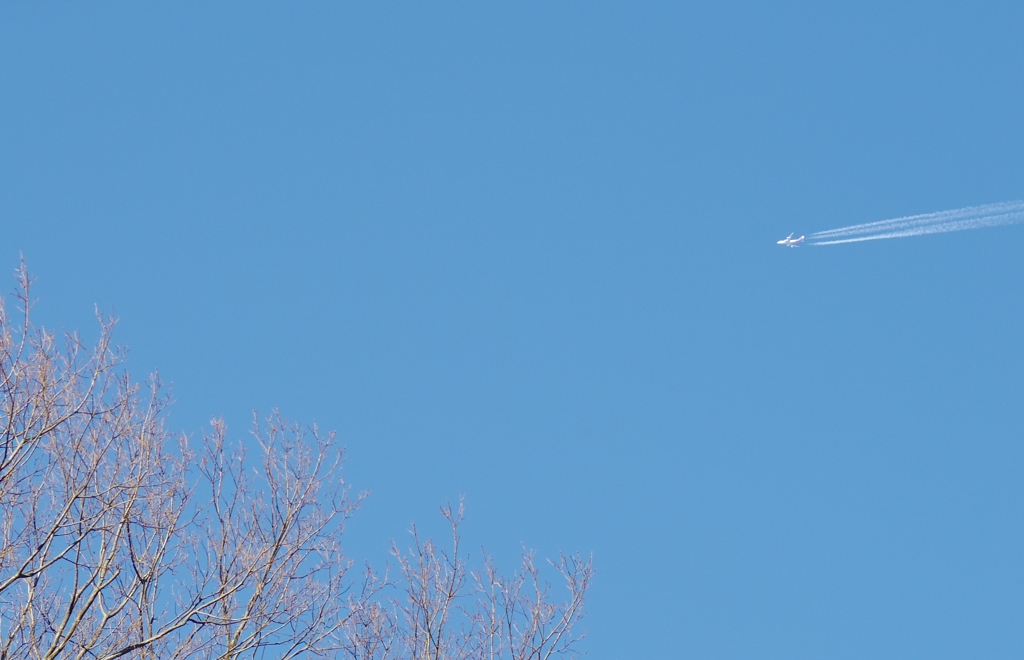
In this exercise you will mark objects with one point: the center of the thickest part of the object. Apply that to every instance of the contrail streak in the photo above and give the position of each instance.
(971, 217)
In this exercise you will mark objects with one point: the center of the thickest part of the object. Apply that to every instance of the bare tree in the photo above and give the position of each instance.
(90, 499)
(120, 539)
(449, 611)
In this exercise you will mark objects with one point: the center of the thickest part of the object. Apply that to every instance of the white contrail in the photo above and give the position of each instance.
(971, 217)
(920, 220)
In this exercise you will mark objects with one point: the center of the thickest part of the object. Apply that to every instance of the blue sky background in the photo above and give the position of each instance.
(526, 254)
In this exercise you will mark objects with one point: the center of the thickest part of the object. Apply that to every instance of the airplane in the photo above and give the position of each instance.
(789, 241)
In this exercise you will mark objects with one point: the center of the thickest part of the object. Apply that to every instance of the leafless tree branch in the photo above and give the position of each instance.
(120, 539)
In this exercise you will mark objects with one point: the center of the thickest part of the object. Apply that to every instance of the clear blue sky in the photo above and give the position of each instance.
(527, 254)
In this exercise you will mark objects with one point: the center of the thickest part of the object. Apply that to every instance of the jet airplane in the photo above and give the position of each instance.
(789, 241)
